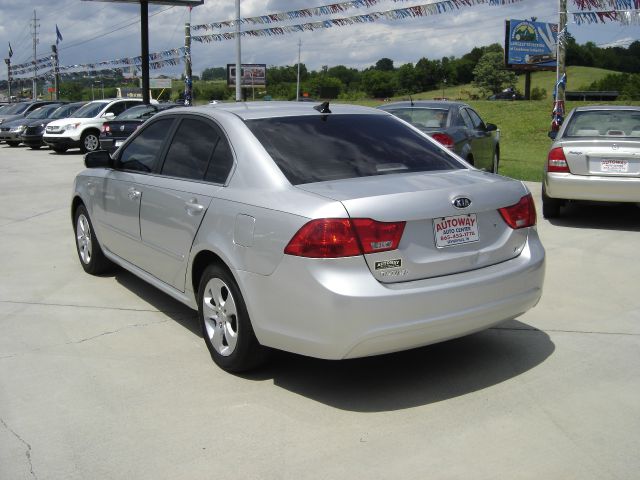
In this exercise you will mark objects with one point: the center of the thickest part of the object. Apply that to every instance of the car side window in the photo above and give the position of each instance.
(143, 151)
(117, 108)
(466, 118)
(221, 162)
(478, 124)
(191, 149)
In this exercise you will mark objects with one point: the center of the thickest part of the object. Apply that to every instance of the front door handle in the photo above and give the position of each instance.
(192, 207)
(133, 194)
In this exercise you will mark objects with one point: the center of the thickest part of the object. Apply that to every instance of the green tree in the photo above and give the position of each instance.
(214, 73)
(384, 65)
(378, 84)
(490, 74)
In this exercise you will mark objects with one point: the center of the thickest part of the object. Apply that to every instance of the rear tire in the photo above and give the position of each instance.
(550, 206)
(35, 147)
(226, 327)
(90, 254)
(13, 144)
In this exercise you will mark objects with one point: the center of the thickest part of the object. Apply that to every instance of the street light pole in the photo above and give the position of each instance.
(298, 79)
(238, 55)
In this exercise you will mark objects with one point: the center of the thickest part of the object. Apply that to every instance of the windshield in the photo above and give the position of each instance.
(90, 110)
(422, 117)
(16, 109)
(64, 111)
(42, 112)
(137, 113)
(333, 147)
(604, 123)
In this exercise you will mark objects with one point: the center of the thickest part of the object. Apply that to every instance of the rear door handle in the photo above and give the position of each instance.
(192, 207)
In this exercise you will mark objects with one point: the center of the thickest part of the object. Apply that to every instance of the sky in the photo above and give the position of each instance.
(95, 31)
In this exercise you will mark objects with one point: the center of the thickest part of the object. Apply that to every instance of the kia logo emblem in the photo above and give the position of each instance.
(614, 146)
(461, 202)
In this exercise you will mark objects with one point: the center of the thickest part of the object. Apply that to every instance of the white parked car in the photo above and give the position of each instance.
(83, 129)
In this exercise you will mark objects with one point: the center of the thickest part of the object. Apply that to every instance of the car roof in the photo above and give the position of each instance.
(270, 109)
(425, 104)
(606, 107)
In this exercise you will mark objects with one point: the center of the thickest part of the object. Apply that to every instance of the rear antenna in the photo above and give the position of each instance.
(323, 107)
(411, 98)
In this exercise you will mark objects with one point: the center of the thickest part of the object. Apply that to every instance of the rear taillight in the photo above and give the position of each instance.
(520, 215)
(556, 161)
(343, 237)
(444, 139)
(106, 128)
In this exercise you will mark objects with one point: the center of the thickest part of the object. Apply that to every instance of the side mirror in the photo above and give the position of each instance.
(552, 135)
(491, 127)
(98, 159)
(109, 116)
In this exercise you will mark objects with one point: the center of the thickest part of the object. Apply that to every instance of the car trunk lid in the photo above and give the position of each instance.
(614, 157)
(439, 238)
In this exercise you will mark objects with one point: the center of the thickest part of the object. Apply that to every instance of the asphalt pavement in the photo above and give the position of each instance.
(107, 378)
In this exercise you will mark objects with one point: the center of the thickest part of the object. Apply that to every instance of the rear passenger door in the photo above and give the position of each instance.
(481, 141)
(197, 163)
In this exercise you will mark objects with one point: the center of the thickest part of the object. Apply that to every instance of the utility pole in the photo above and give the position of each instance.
(298, 80)
(34, 32)
(56, 73)
(562, 35)
(238, 55)
(188, 80)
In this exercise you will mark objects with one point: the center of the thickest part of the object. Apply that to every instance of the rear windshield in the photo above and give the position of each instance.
(137, 113)
(604, 123)
(65, 111)
(42, 112)
(333, 147)
(422, 117)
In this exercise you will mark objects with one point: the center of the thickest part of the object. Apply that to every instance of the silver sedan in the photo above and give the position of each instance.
(329, 231)
(595, 156)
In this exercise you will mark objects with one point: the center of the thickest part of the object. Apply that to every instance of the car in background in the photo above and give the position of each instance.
(329, 231)
(34, 130)
(116, 131)
(506, 95)
(21, 109)
(595, 156)
(12, 131)
(83, 129)
(455, 125)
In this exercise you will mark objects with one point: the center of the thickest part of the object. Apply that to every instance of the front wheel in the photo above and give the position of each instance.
(225, 323)
(12, 144)
(90, 254)
(90, 142)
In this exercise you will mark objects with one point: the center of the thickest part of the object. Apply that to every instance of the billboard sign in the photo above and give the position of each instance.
(159, 83)
(530, 45)
(253, 75)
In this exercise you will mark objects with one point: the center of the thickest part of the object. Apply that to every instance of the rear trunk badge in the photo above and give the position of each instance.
(461, 202)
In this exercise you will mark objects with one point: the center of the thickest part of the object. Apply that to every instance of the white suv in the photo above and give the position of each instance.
(83, 129)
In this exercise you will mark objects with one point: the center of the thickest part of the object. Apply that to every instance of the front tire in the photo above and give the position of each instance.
(89, 142)
(226, 327)
(90, 254)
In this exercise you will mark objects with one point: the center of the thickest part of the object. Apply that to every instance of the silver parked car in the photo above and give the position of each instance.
(595, 156)
(455, 125)
(329, 231)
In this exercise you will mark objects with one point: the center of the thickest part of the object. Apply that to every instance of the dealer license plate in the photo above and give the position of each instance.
(450, 231)
(614, 166)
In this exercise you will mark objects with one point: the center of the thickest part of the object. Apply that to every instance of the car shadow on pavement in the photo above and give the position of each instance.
(623, 216)
(162, 302)
(387, 382)
(416, 377)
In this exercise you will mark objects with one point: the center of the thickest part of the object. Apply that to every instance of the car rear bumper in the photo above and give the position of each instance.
(335, 309)
(65, 142)
(108, 144)
(592, 187)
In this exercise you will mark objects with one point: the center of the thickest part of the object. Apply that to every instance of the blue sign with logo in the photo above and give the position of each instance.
(531, 45)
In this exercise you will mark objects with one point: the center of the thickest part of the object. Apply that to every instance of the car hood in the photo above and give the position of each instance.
(10, 118)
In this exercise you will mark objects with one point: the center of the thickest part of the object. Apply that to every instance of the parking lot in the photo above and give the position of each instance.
(106, 377)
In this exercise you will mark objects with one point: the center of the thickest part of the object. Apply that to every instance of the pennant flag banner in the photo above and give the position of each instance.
(157, 60)
(624, 17)
(396, 14)
(607, 5)
(625, 12)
